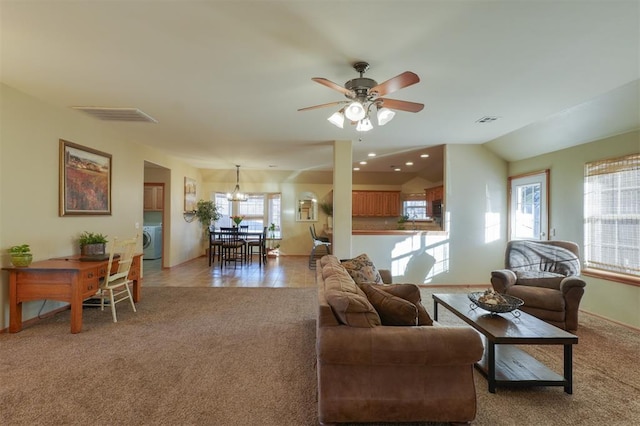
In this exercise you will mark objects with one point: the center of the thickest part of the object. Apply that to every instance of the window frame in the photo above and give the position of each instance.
(271, 201)
(607, 168)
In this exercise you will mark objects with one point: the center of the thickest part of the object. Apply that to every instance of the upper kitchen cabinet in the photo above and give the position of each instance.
(376, 203)
(435, 193)
(153, 197)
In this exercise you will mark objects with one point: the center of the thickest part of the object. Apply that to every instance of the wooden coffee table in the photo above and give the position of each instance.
(503, 364)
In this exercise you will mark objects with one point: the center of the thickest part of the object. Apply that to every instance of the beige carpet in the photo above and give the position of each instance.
(246, 356)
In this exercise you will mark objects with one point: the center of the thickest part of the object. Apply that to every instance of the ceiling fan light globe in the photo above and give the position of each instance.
(355, 111)
(385, 115)
(337, 119)
(364, 125)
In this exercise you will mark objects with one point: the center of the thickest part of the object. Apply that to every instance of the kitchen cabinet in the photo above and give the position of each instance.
(153, 198)
(432, 194)
(375, 203)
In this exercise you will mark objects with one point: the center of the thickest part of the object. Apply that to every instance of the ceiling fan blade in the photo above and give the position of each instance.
(398, 82)
(334, 86)
(323, 105)
(400, 105)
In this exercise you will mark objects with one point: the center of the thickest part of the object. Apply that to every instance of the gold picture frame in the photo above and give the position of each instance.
(85, 181)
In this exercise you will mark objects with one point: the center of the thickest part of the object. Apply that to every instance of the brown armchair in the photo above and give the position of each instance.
(545, 274)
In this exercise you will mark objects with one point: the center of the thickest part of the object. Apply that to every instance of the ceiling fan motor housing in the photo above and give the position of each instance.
(360, 86)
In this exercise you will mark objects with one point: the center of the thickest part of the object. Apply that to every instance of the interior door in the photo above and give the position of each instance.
(529, 206)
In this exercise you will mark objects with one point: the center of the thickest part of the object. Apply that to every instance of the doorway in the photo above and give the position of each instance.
(529, 206)
(155, 199)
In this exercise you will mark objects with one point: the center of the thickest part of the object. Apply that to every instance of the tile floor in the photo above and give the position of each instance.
(281, 271)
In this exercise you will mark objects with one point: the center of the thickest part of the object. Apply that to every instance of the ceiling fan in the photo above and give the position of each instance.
(363, 94)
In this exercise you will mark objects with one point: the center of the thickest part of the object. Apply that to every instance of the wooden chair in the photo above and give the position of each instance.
(114, 287)
(215, 245)
(232, 246)
(261, 245)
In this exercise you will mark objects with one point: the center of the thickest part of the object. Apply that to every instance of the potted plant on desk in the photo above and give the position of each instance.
(92, 244)
(21, 255)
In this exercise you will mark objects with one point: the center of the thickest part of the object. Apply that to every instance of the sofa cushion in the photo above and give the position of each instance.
(329, 259)
(362, 270)
(336, 278)
(411, 293)
(393, 310)
(352, 309)
(538, 297)
(539, 279)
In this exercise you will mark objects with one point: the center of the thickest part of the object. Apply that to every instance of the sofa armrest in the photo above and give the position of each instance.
(502, 279)
(387, 278)
(570, 283)
(386, 345)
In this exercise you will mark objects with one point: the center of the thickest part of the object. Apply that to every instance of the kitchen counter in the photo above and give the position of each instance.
(396, 231)
(401, 232)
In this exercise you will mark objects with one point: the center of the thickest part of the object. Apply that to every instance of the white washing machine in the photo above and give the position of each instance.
(152, 242)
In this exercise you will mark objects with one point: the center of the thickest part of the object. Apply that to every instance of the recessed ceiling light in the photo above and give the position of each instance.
(363, 163)
(424, 155)
(397, 169)
(356, 168)
(371, 154)
(409, 163)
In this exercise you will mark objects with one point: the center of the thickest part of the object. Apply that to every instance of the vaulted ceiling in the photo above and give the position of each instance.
(224, 79)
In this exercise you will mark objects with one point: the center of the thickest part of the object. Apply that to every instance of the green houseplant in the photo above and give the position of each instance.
(207, 211)
(327, 208)
(21, 255)
(403, 219)
(92, 243)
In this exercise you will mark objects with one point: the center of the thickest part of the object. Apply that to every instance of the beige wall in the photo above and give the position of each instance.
(475, 200)
(612, 300)
(29, 158)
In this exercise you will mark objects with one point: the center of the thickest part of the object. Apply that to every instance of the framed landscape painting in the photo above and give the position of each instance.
(85, 180)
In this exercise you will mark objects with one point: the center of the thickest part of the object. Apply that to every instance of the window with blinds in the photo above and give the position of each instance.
(415, 206)
(612, 215)
(260, 210)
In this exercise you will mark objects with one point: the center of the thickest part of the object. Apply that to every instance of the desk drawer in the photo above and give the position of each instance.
(90, 281)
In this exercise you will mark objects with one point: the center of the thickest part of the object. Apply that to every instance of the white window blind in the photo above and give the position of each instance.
(612, 215)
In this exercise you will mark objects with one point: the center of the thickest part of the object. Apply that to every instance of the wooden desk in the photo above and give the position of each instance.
(63, 279)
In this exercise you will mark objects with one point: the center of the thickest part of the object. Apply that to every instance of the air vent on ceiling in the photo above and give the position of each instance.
(117, 114)
(487, 119)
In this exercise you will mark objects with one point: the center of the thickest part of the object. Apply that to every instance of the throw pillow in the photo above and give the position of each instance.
(411, 293)
(362, 270)
(392, 310)
(352, 309)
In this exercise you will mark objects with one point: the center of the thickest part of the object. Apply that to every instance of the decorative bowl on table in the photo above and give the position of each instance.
(495, 303)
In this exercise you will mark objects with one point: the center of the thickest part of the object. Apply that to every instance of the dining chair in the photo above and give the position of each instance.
(114, 287)
(261, 245)
(215, 245)
(232, 246)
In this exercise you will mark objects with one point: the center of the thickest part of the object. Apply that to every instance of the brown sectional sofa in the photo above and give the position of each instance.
(368, 372)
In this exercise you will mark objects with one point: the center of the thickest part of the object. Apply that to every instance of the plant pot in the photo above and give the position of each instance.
(21, 260)
(92, 249)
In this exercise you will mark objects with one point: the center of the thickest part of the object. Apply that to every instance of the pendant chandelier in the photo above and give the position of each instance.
(236, 195)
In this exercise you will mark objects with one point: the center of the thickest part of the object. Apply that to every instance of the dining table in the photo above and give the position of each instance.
(216, 241)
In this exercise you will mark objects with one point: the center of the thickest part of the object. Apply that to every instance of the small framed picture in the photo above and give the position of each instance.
(189, 194)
